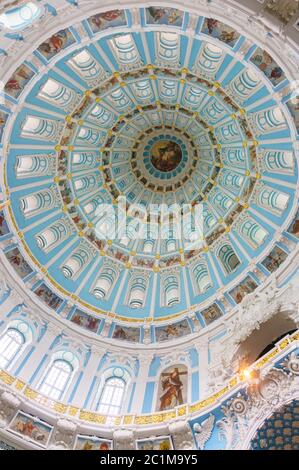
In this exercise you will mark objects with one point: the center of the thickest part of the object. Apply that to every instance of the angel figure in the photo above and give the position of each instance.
(204, 431)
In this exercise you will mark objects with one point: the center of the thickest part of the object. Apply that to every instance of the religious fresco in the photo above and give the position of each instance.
(220, 31)
(169, 261)
(169, 332)
(4, 230)
(274, 259)
(19, 79)
(3, 120)
(173, 384)
(294, 227)
(108, 19)
(162, 15)
(211, 313)
(86, 321)
(241, 290)
(56, 43)
(143, 262)
(18, 262)
(293, 107)
(158, 443)
(31, 428)
(166, 155)
(48, 297)
(126, 334)
(92, 443)
(268, 66)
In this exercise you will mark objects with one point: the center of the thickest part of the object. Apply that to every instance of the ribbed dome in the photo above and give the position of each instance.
(135, 122)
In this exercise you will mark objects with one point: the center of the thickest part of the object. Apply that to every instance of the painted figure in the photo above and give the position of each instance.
(172, 387)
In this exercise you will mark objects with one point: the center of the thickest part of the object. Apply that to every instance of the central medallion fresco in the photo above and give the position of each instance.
(166, 155)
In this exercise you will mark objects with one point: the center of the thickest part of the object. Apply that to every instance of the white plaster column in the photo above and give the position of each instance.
(203, 361)
(182, 435)
(89, 373)
(37, 355)
(141, 381)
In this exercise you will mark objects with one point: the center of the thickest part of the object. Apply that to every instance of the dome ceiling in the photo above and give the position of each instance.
(179, 113)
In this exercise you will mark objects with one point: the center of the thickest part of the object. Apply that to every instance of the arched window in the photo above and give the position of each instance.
(56, 379)
(21, 17)
(228, 258)
(11, 344)
(112, 396)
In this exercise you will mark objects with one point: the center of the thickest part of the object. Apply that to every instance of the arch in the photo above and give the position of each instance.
(105, 282)
(58, 374)
(75, 264)
(170, 289)
(35, 203)
(265, 336)
(137, 291)
(252, 232)
(17, 335)
(201, 277)
(11, 344)
(273, 200)
(112, 391)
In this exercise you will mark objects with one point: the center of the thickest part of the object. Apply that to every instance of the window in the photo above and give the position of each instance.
(112, 396)
(11, 344)
(56, 379)
(19, 18)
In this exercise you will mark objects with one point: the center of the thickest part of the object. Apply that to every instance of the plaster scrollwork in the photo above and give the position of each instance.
(124, 439)
(3, 288)
(264, 396)
(64, 435)
(283, 9)
(254, 310)
(181, 435)
(291, 363)
(9, 403)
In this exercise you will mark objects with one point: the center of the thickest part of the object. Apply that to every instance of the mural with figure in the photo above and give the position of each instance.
(162, 15)
(220, 31)
(172, 387)
(293, 107)
(168, 332)
(3, 120)
(268, 66)
(241, 290)
(108, 19)
(126, 333)
(211, 313)
(31, 428)
(86, 321)
(56, 43)
(4, 229)
(166, 155)
(158, 443)
(19, 79)
(294, 227)
(18, 262)
(48, 297)
(274, 259)
(92, 443)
